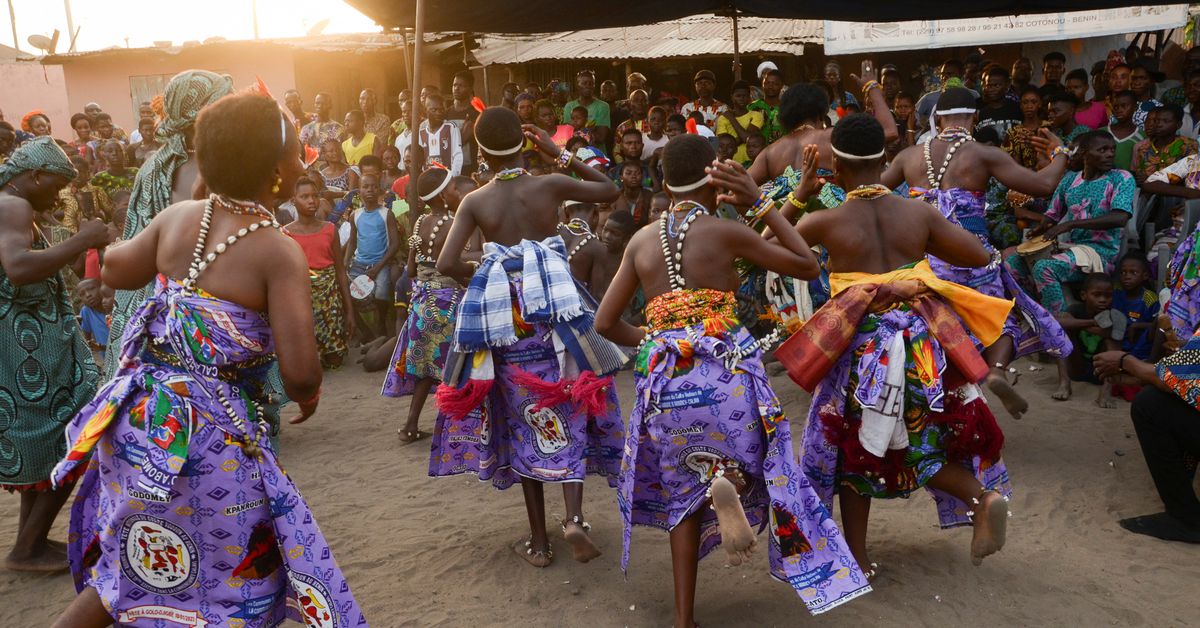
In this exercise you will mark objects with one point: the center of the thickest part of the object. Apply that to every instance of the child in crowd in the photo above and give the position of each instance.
(755, 144)
(326, 270)
(727, 146)
(93, 317)
(374, 242)
(1125, 133)
(1094, 327)
(659, 204)
(635, 197)
(579, 122)
(595, 264)
(1138, 303)
(630, 151)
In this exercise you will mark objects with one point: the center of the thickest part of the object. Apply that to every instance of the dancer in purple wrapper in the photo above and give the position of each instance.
(184, 516)
(952, 171)
(892, 370)
(707, 430)
(424, 341)
(526, 392)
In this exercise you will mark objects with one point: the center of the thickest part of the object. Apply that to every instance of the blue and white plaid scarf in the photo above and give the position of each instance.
(549, 293)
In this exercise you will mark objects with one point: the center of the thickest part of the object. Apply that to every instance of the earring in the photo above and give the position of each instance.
(275, 188)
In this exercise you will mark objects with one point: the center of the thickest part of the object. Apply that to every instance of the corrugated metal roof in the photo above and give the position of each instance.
(357, 43)
(687, 37)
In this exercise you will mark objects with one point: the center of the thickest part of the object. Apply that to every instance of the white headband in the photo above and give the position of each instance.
(678, 189)
(842, 155)
(440, 188)
(282, 130)
(954, 112)
(501, 153)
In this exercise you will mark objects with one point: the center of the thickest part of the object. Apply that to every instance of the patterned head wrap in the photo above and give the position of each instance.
(37, 154)
(186, 94)
(27, 121)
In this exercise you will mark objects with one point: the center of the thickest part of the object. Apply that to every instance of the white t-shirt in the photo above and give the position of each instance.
(649, 145)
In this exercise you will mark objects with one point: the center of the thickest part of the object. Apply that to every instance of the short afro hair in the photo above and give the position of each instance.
(1078, 74)
(238, 144)
(805, 101)
(859, 135)
(1088, 140)
(80, 116)
(955, 98)
(372, 161)
(1063, 96)
(1093, 280)
(684, 159)
(431, 179)
(498, 129)
(623, 222)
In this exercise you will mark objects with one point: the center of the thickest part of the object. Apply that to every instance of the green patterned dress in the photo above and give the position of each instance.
(46, 376)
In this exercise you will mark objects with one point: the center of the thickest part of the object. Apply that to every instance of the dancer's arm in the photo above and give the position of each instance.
(22, 264)
(1038, 184)
(594, 186)
(289, 300)
(462, 228)
(620, 292)
(953, 243)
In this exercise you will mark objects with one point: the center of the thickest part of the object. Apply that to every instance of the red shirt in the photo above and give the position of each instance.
(400, 187)
(317, 247)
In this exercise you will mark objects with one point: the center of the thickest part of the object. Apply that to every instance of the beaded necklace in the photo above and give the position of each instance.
(242, 208)
(199, 263)
(433, 234)
(956, 137)
(508, 174)
(868, 192)
(667, 227)
(579, 227)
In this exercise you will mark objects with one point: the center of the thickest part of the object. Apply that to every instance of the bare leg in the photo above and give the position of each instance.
(1105, 398)
(1064, 381)
(386, 317)
(998, 357)
(856, 511)
(85, 611)
(31, 551)
(537, 552)
(573, 527)
(27, 500)
(990, 518)
(685, 551)
(410, 433)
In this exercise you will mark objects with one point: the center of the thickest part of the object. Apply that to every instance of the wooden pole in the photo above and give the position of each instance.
(12, 15)
(418, 158)
(737, 53)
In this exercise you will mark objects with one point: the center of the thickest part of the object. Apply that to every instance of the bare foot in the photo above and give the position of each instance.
(991, 526)
(1063, 393)
(581, 544)
(736, 536)
(1106, 402)
(1012, 400)
(408, 437)
(50, 560)
(538, 558)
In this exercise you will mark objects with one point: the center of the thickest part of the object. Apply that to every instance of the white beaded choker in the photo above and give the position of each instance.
(842, 155)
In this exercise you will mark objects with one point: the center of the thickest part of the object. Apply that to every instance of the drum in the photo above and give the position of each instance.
(1036, 249)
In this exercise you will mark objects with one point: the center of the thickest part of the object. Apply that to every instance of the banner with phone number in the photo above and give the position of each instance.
(855, 37)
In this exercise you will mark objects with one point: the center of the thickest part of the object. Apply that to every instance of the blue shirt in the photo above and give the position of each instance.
(372, 236)
(94, 323)
(1138, 309)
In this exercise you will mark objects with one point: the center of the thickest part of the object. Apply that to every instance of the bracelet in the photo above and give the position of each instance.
(1061, 150)
(760, 207)
(313, 401)
(564, 158)
(797, 203)
(872, 84)
(1121, 362)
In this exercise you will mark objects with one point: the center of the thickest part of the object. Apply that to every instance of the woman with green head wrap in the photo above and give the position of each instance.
(46, 369)
(168, 176)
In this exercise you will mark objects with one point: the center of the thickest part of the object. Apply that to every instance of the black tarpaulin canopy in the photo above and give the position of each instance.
(543, 16)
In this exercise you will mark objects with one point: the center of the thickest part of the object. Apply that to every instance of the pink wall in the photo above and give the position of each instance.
(30, 85)
(104, 78)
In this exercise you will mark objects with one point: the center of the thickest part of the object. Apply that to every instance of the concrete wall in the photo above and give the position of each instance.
(105, 78)
(30, 85)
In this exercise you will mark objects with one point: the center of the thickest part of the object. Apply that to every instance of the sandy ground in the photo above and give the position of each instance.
(420, 551)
